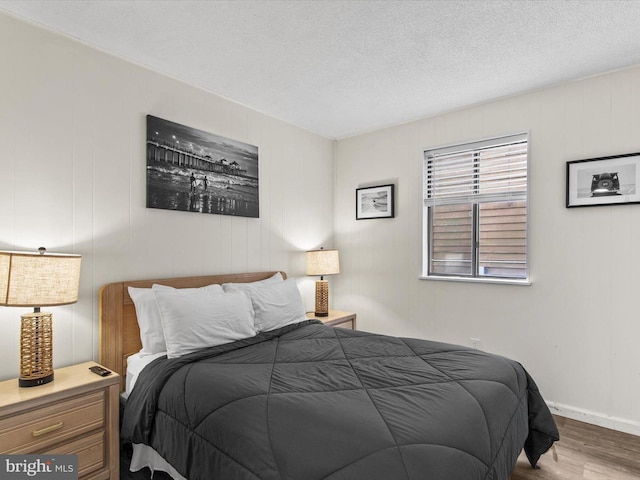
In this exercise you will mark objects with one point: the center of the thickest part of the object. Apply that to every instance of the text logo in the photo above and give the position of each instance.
(45, 467)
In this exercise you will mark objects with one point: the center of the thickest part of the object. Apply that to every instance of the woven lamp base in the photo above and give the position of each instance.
(322, 298)
(36, 349)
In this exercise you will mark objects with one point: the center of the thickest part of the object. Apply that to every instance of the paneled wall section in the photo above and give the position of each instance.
(576, 327)
(72, 178)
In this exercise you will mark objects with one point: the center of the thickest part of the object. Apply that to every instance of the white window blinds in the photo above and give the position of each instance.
(487, 171)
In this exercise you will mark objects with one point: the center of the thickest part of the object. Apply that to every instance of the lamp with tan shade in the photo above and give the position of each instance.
(322, 262)
(37, 280)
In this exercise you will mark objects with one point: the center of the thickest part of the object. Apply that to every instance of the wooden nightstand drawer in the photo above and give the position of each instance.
(348, 324)
(90, 450)
(337, 318)
(38, 429)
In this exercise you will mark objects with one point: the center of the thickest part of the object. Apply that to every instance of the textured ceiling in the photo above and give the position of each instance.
(339, 68)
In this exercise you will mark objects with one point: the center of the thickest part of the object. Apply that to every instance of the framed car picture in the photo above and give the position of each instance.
(375, 202)
(613, 180)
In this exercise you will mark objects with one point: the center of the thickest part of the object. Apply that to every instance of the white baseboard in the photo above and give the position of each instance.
(594, 418)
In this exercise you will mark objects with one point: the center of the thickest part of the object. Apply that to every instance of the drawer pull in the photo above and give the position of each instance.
(42, 431)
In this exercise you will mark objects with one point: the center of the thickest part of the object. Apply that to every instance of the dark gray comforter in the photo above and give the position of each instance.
(310, 402)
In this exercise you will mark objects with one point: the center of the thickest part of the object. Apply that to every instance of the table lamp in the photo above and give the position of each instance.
(322, 262)
(37, 280)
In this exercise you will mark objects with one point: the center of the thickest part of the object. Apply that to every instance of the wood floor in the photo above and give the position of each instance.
(586, 452)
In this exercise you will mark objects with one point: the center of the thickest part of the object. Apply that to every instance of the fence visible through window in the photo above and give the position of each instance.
(476, 222)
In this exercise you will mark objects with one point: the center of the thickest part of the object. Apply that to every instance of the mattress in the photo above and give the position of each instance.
(311, 402)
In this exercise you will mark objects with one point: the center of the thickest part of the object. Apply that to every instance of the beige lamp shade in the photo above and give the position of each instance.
(38, 280)
(323, 262)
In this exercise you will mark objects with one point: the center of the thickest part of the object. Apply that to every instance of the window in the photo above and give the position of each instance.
(475, 210)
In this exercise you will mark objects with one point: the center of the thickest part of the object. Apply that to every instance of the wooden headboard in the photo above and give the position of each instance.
(119, 332)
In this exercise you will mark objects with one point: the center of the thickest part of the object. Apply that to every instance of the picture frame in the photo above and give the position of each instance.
(196, 171)
(612, 180)
(375, 202)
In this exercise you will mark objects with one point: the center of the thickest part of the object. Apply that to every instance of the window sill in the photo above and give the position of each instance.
(499, 281)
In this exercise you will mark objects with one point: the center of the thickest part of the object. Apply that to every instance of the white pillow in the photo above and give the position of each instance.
(194, 321)
(276, 305)
(148, 320)
(148, 315)
(277, 278)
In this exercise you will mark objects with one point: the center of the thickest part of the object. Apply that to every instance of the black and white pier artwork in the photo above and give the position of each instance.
(196, 171)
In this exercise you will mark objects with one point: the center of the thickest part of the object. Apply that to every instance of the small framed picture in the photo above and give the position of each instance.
(374, 202)
(600, 181)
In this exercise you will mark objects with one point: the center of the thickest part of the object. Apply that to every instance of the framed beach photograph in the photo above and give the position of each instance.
(374, 202)
(196, 171)
(613, 180)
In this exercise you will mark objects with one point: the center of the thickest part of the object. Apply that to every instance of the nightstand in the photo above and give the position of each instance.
(76, 414)
(337, 318)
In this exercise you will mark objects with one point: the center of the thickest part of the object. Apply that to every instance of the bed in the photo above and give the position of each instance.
(302, 400)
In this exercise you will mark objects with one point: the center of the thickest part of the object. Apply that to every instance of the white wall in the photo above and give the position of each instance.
(576, 328)
(72, 178)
